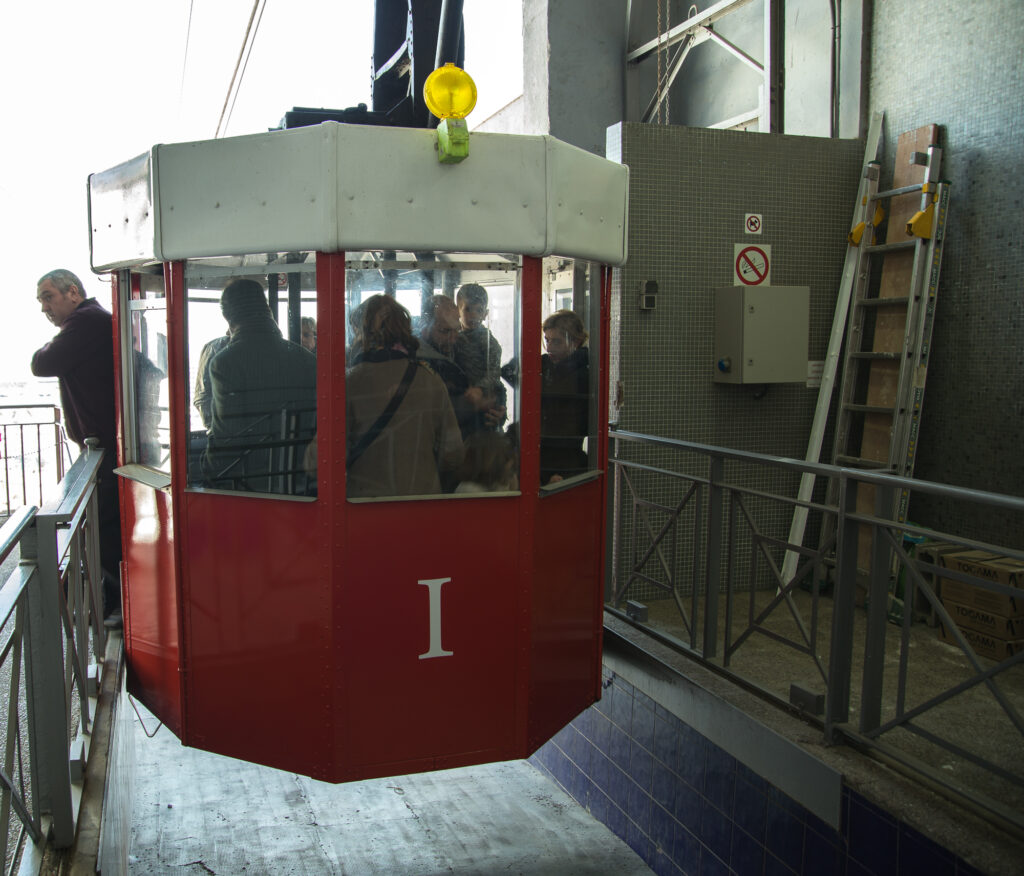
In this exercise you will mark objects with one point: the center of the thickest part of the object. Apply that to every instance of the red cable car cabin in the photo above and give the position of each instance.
(278, 606)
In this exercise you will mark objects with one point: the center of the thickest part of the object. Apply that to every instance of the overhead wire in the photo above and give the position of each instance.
(184, 60)
(245, 65)
(238, 65)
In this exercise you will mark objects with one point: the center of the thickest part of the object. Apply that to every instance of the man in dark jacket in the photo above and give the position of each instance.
(81, 357)
(263, 404)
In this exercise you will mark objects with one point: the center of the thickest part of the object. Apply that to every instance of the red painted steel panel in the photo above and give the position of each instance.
(257, 631)
(567, 592)
(151, 601)
(417, 692)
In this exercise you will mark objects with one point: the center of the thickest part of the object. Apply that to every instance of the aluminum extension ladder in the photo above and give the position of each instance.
(889, 333)
(916, 310)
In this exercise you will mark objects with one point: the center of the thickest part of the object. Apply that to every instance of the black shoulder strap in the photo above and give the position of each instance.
(385, 417)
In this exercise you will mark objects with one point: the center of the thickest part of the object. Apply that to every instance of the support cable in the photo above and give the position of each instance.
(245, 65)
(238, 64)
(184, 60)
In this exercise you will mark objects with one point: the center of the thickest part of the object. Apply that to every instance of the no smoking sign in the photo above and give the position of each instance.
(752, 265)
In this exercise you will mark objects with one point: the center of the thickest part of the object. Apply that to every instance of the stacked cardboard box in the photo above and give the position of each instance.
(992, 621)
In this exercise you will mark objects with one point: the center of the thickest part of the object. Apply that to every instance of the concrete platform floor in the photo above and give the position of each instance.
(200, 813)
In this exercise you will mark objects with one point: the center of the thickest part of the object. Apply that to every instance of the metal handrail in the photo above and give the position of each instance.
(51, 617)
(731, 553)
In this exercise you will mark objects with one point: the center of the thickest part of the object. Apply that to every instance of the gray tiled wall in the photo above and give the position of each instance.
(959, 67)
(690, 189)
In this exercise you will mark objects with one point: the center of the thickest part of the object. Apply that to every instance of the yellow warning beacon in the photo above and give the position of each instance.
(450, 94)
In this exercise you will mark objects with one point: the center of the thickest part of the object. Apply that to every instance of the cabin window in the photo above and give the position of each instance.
(431, 393)
(147, 423)
(251, 382)
(569, 372)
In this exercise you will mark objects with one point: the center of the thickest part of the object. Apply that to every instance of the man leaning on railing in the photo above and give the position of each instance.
(81, 357)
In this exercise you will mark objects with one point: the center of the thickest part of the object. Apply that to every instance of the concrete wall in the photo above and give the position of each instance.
(572, 69)
(508, 120)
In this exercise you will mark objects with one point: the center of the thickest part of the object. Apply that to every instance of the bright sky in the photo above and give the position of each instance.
(89, 85)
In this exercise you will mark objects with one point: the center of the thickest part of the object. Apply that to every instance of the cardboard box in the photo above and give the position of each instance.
(983, 644)
(988, 567)
(969, 618)
(932, 552)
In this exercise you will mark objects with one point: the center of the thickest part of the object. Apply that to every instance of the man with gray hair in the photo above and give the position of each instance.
(81, 357)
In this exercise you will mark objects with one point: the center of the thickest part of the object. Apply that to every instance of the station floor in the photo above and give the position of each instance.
(200, 813)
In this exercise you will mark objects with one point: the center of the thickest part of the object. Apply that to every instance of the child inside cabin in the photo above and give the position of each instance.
(489, 464)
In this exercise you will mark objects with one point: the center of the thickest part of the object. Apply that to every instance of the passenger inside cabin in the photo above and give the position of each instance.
(489, 465)
(202, 396)
(263, 405)
(477, 351)
(148, 378)
(308, 334)
(439, 331)
(565, 397)
(403, 437)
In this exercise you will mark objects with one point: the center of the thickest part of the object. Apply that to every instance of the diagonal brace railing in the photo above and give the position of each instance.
(51, 611)
(881, 682)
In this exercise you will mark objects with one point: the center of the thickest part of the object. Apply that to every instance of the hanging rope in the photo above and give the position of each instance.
(667, 86)
(661, 51)
(664, 75)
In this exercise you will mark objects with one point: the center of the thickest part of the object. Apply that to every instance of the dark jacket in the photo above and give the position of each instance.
(478, 354)
(564, 414)
(454, 378)
(263, 411)
(81, 357)
(202, 396)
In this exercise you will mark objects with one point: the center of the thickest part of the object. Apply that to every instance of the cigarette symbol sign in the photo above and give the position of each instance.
(753, 264)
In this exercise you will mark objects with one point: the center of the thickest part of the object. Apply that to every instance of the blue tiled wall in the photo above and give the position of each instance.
(687, 807)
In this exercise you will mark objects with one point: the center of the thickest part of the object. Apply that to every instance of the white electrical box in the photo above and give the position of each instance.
(761, 334)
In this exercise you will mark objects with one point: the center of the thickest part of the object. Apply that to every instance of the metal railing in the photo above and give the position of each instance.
(858, 639)
(33, 452)
(52, 642)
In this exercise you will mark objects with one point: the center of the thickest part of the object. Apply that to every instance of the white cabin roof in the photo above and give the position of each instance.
(333, 187)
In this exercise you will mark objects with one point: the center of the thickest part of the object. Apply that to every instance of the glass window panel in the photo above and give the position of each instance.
(149, 420)
(569, 372)
(429, 408)
(252, 374)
